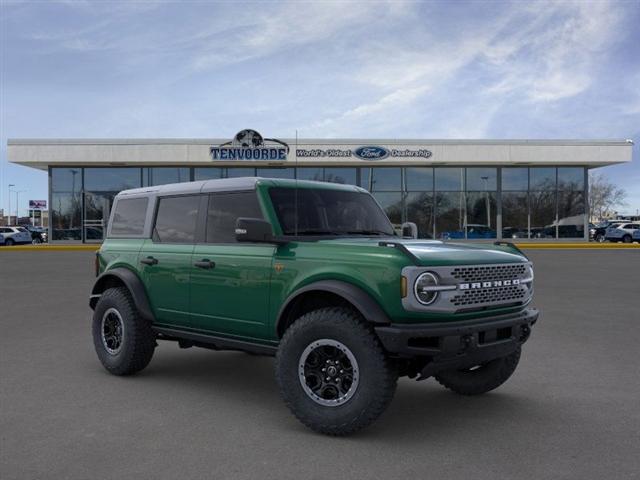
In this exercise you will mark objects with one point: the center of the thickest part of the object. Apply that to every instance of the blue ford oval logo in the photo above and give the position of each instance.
(371, 153)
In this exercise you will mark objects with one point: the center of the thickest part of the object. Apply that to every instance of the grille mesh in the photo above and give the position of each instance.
(488, 273)
(512, 293)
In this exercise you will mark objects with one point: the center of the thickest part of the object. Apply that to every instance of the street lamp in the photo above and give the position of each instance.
(18, 192)
(9, 212)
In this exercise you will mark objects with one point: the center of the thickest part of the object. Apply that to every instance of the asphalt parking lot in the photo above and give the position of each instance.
(572, 409)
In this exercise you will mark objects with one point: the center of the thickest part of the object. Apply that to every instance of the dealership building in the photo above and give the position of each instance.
(451, 189)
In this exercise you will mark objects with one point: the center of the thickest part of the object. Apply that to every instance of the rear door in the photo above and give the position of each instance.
(165, 258)
(230, 281)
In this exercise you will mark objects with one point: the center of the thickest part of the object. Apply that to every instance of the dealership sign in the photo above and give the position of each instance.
(38, 204)
(250, 145)
(365, 152)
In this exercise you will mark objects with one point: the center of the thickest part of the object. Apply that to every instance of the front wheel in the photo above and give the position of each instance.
(599, 238)
(9, 242)
(122, 339)
(332, 372)
(36, 241)
(480, 378)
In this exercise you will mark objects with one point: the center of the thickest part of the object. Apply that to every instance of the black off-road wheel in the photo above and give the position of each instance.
(333, 373)
(123, 340)
(480, 378)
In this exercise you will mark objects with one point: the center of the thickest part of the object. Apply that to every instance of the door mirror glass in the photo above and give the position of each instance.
(253, 230)
(409, 229)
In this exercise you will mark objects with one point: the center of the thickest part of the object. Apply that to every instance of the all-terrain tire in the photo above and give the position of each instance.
(137, 339)
(482, 379)
(377, 374)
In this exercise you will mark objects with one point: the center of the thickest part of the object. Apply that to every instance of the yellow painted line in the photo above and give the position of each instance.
(589, 246)
(49, 248)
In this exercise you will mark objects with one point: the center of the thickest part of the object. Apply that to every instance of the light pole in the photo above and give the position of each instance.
(18, 192)
(9, 211)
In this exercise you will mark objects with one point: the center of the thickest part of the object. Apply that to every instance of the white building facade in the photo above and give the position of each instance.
(533, 190)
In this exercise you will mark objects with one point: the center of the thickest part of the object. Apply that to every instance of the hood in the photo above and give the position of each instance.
(437, 253)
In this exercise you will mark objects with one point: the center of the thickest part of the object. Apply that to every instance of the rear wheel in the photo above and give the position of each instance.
(626, 238)
(332, 372)
(480, 378)
(122, 339)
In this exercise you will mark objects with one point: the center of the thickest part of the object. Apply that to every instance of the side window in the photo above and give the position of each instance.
(176, 219)
(224, 209)
(129, 216)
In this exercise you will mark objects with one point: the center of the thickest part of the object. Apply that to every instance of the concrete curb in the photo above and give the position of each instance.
(527, 246)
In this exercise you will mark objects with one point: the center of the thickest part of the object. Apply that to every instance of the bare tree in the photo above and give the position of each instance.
(604, 196)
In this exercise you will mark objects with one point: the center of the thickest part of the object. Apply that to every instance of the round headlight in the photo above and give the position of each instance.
(422, 288)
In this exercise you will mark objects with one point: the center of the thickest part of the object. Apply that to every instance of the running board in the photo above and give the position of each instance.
(215, 342)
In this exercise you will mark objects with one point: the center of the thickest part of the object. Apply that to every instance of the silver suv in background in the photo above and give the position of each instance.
(623, 232)
(15, 235)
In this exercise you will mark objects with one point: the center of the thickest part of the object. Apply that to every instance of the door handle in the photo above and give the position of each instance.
(205, 263)
(149, 261)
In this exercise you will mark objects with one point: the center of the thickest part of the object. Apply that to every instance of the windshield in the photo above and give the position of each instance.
(328, 212)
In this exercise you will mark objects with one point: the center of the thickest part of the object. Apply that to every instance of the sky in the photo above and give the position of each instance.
(374, 69)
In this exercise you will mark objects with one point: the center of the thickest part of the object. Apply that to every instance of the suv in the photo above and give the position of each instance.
(15, 235)
(38, 234)
(599, 232)
(622, 232)
(314, 274)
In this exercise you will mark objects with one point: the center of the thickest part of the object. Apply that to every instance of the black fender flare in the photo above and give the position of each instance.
(361, 300)
(133, 284)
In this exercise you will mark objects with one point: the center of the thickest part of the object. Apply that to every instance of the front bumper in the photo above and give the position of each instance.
(453, 345)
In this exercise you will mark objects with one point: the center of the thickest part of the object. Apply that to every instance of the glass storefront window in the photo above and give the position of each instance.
(571, 178)
(66, 179)
(449, 179)
(515, 179)
(275, 172)
(207, 173)
(543, 214)
(239, 172)
(391, 203)
(163, 175)
(449, 208)
(571, 211)
(381, 179)
(542, 178)
(66, 216)
(418, 179)
(481, 215)
(110, 179)
(419, 207)
(482, 179)
(310, 173)
(515, 215)
(345, 176)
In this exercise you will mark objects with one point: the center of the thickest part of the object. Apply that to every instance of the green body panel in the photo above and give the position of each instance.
(167, 283)
(233, 297)
(246, 291)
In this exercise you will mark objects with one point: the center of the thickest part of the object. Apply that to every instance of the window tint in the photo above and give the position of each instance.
(176, 219)
(129, 215)
(224, 209)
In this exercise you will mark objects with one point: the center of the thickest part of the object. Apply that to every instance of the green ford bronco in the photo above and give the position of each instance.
(314, 274)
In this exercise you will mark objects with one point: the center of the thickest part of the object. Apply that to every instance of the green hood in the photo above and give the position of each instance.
(436, 253)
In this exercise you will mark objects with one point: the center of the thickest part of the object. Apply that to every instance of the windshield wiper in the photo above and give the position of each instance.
(369, 232)
(315, 232)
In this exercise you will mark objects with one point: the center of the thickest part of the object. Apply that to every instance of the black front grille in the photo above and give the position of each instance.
(489, 273)
(511, 293)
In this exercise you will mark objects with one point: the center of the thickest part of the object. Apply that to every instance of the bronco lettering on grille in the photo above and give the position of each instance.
(495, 283)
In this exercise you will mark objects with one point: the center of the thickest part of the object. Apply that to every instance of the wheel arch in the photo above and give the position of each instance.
(123, 277)
(328, 293)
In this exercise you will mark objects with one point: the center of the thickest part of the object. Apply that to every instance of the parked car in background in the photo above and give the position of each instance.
(15, 235)
(622, 233)
(473, 231)
(599, 232)
(38, 234)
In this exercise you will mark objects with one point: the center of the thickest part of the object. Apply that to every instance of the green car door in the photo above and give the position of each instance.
(230, 281)
(165, 259)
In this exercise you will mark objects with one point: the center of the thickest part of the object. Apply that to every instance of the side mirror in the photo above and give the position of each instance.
(253, 230)
(409, 229)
